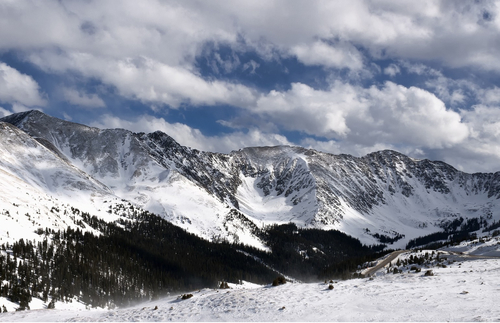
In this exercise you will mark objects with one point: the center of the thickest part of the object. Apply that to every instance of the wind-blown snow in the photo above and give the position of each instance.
(483, 247)
(465, 290)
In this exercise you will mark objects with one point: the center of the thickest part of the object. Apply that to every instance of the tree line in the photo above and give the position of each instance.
(142, 257)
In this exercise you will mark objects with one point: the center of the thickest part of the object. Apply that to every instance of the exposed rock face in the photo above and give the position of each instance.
(228, 195)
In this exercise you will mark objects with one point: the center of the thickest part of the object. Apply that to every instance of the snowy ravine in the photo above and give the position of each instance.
(232, 196)
(463, 290)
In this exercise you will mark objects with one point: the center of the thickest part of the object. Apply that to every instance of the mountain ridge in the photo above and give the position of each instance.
(384, 193)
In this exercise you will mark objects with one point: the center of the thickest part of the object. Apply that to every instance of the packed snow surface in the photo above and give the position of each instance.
(465, 290)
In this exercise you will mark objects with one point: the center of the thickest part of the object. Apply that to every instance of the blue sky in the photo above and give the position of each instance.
(420, 77)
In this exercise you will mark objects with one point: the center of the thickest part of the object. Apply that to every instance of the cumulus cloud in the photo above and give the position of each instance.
(414, 116)
(146, 51)
(16, 107)
(314, 112)
(484, 124)
(480, 152)
(82, 99)
(171, 35)
(339, 55)
(392, 114)
(490, 96)
(150, 81)
(107, 39)
(19, 88)
(355, 120)
(453, 91)
(4, 112)
(392, 70)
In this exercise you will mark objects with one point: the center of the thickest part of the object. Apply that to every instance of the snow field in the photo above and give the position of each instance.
(274, 209)
(489, 247)
(36, 305)
(463, 291)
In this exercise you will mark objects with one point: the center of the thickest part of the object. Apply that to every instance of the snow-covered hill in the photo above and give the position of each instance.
(460, 289)
(150, 170)
(40, 189)
(231, 196)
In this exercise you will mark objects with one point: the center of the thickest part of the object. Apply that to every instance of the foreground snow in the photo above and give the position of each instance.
(465, 290)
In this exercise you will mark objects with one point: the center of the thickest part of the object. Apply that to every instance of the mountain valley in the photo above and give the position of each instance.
(190, 219)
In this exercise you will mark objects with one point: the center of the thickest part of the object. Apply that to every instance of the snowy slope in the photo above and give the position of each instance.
(463, 290)
(276, 185)
(39, 189)
(230, 196)
(384, 192)
(152, 171)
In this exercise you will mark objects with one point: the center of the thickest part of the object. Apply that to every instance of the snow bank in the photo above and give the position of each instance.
(463, 291)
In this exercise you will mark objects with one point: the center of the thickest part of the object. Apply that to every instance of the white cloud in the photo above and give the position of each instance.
(490, 96)
(413, 116)
(314, 112)
(484, 125)
(147, 51)
(150, 81)
(252, 65)
(480, 152)
(108, 39)
(339, 55)
(392, 115)
(16, 107)
(410, 120)
(454, 92)
(19, 88)
(67, 117)
(76, 97)
(392, 70)
(4, 112)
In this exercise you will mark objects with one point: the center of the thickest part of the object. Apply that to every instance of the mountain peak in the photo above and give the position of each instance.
(18, 118)
(33, 116)
(385, 192)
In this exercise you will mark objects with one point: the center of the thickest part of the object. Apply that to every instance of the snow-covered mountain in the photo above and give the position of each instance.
(40, 189)
(231, 196)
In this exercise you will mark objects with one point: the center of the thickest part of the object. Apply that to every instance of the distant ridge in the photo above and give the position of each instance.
(229, 196)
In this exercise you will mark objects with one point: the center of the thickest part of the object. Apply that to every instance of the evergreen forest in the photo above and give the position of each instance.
(143, 257)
